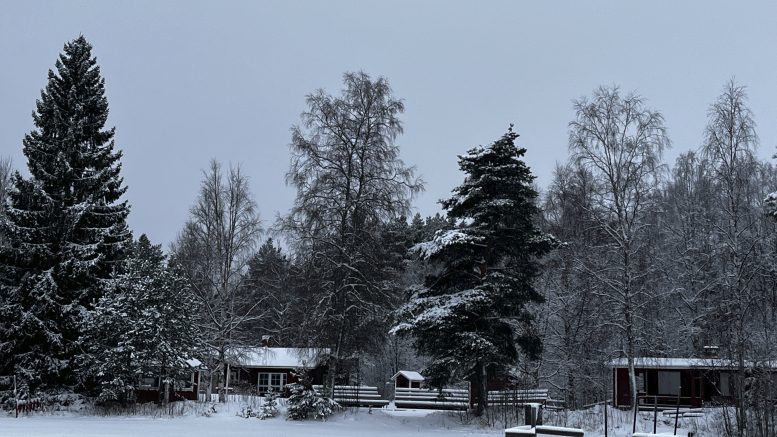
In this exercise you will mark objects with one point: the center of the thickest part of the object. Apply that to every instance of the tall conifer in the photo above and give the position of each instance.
(65, 225)
(471, 312)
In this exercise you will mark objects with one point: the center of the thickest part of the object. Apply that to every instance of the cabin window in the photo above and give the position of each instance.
(187, 384)
(640, 383)
(725, 384)
(149, 381)
(274, 381)
(668, 382)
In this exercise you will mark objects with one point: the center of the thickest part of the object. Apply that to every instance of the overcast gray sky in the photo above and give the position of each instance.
(188, 81)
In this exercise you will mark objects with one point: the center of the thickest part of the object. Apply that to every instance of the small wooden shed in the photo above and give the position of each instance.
(407, 379)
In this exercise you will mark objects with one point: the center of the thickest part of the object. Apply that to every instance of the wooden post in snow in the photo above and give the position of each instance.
(199, 383)
(677, 413)
(226, 387)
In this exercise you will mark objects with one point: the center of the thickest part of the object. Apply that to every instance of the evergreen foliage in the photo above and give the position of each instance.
(143, 326)
(64, 226)
(300, 402)
(304, 401)
(270, 281)
(471, 313)
(269, 406)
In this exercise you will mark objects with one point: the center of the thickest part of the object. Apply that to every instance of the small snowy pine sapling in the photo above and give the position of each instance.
(299, 402)
(325, 407)
(269, 405)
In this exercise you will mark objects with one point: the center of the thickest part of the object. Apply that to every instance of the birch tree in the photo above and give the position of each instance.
(620, 141)
(6, 169)
(571, 319)
(349, 178)
(690, 267)
(213, 251)
(729, 144)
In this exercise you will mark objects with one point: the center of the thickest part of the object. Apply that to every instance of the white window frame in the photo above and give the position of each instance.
(191, 386)
(278, 388)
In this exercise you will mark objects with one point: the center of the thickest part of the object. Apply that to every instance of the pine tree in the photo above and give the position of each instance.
(269, 406)
(305, 401)
(300, 402)
(65, 225)
(471, 313)
(143, 326)
(269, 282)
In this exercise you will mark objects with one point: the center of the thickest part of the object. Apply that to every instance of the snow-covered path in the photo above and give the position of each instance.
(360, 424)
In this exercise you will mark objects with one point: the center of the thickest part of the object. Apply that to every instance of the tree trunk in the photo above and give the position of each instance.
(209, 390)
(482, 381)
(166, 396)
(220, 368)
(336, 361)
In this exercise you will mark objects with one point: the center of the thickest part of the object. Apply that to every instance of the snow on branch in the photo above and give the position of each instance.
(443, 239)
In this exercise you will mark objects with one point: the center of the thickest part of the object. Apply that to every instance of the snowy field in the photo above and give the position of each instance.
(351, 423)
(380, 423)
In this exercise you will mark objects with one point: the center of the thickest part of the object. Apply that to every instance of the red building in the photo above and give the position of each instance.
(257, 370)
(149, 390)
(697, 381)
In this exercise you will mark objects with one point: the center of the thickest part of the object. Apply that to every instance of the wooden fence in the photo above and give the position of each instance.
(356, 395)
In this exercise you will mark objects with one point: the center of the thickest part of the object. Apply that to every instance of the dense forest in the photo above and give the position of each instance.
(623, 255)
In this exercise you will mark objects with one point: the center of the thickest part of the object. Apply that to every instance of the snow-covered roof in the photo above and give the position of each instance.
(687, 363)
(194, 362)
(280, 357)
(410, 375)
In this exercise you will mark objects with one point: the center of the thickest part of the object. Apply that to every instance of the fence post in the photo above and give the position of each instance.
(677, 413)
(15, 397)
(605, 417)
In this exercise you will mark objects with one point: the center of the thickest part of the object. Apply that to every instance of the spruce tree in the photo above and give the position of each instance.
(471, 312)
(65, 225)
(143, 326)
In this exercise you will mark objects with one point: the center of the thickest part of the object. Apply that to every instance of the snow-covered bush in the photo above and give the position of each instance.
(269, 406)
(247, 412)
(300, 402)
(325, 407)
(305, 401)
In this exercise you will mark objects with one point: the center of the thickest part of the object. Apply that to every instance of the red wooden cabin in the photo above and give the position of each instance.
(257, 370)
(148, 388)
(697, 381)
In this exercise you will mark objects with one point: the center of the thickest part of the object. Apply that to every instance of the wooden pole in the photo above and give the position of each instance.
(199, 382)
(16, 396)
(605, 417)
(655, 412)
(677, 412)
(226, 389)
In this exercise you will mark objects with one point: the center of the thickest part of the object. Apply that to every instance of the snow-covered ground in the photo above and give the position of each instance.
(351, 423)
